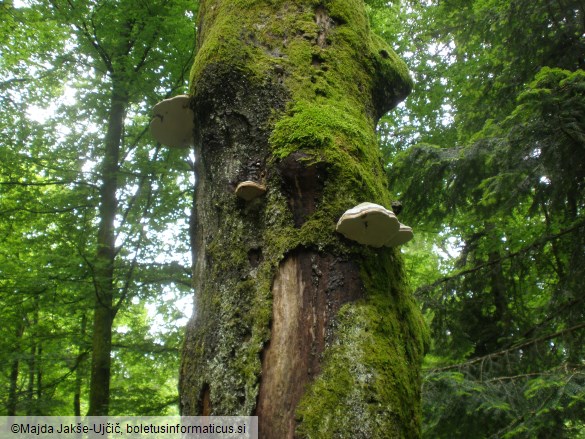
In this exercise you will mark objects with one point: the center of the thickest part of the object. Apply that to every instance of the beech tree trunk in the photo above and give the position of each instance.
(315, 334)
(12, 401)
(104, 309)
(79, 366)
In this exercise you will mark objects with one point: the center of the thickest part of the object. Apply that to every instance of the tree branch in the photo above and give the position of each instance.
(539, 243)
(508, 350)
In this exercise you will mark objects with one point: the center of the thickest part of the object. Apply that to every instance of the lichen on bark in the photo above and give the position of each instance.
(288, 93)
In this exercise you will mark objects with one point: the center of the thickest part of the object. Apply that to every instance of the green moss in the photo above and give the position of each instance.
(367, 386)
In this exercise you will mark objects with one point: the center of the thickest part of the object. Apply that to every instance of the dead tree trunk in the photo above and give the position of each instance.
(315, 334)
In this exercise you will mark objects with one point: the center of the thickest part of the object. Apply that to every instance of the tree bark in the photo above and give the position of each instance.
(104, 309)
(12, 402)
(30, 402)
(33, 364)
(79, 362)
(314, 334)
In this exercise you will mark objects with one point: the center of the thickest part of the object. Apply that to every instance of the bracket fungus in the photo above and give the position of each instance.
(402, 237)
(374, 225)
(249, 190)
(172, 124)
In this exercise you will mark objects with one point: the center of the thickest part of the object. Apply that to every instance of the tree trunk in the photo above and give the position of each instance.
(315, 334)
(79, 367)
(39, 401)
(12, 402)
(33, 363)
(104, 310)
(30, 402)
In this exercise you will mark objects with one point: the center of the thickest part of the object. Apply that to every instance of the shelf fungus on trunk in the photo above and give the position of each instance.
(373, 225)
(402, 237)
(172, 124)
(250, 190)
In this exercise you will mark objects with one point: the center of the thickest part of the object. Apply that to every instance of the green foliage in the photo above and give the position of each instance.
(489, 154)
(526, 405)
(518, 209)
(135, 345)
(56, 62)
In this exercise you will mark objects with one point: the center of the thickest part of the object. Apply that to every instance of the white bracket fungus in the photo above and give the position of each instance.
(172, 124)
(374, 225)
(402, 237)
(249, 190)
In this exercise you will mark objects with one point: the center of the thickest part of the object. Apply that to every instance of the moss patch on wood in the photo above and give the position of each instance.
(367, 387)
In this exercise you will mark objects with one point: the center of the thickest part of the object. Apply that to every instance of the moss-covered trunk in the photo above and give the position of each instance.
(315, 334)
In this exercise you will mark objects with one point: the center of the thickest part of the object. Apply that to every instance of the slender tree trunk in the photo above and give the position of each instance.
(572, 284)
(39, 392)
(12, 402)
(500, 294)
(104, 311)
(33, 364)
(12, 399)
(79, 368)
(315, 334)
(31, 381)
